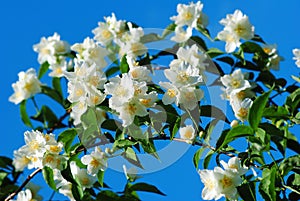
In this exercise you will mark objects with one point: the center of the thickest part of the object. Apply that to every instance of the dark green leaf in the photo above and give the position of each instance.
(214, 52)
(250, 47)
(175, 128)
(145, 187)
(227, 60)
(111, 124)
(24, 116)
(235, 132)
(43, 69)
(267, 78)
(48, 176)
(77, 192)
(199, 41)
(47, 117)
(67, 137)
(3, 175)
(212, 111)
(247, 65)
(123, 143)
(207, 159)
(276, 112)
(257, 109)
(57, 86)
(197, 157)
(107, 195)
(289, 164)
(247, 191)
(267, 184)
(111, 71)
(52, 93)
(5, 162)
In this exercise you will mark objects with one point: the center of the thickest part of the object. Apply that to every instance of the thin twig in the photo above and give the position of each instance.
(29, 177)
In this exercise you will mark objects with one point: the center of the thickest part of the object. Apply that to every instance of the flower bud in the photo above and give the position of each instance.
(234, 123)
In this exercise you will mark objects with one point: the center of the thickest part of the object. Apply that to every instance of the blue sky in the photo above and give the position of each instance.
(23, 23)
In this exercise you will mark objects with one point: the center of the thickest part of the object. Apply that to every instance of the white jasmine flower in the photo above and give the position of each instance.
(78, 109)
(140, 73)
(171, 94)
(54, 161)
(237, 26)
(232, 41)
(20, 160)
(83, 177)
(91, 52)
(211, 188)
(54, 148)
(103, 34)
(27, 86)
(241, 108)
(50, 48)
(188, 14)
(235, 82)
(189, 97)
(131, 173)
(24, 195)
(234, 164)
(64, 187)
(95, 161)
(35, 143)
(182, 35)
(228, 181)
(121, 89)
(132, 49)
(187, 132)
(296, 57)
(58, 69)
(274, 58)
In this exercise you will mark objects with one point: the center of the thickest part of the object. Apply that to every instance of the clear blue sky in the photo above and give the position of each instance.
(23, 23)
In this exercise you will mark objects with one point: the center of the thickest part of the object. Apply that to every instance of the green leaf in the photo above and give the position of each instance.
(123, 143)
(175, 128)
(214, 52)
(57, 86)
(247, 191)
(3, 175)
(67, 137)
(257, 109)
(278, 112)
(111, 124)
(107, 195)
(52, 93)
(124, 67)
(131, 157)
(227, 60)
(43, 69)
(111, 71)
(212, 111)
(197, 157)
(267, 184)
(77, 192)
(48, 176)
(168, 30)
(145, 187)
(207, 159)
(199, 41)
(288, 164)
(24, 116)
(5, 162)
(100, 176)
(47, 117)
(151, 37)
(235, 132)
(250, 47)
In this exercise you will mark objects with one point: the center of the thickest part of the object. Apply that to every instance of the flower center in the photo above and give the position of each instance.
(235, 83)
(243, 112)
(226, 182)
(94, 162)
(171, 93)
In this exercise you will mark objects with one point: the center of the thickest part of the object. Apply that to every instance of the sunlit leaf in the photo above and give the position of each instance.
(267, 184)
(49, 178)
(24, 116)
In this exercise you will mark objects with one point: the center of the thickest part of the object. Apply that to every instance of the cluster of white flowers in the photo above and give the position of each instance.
(124, 35)
(274, 58)
(129, 97)
(222, 182)
(238, 93)
(27, 86)
(296, 57)
(189, 17)
(53, 50)
(84, 88)
(185, 74)
(40, 150)
(237, 26)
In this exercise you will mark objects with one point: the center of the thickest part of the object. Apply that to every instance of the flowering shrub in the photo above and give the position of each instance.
(117, 106)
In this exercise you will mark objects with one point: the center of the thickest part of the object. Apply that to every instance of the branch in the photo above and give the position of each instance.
(59, 121)
(29, 177)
